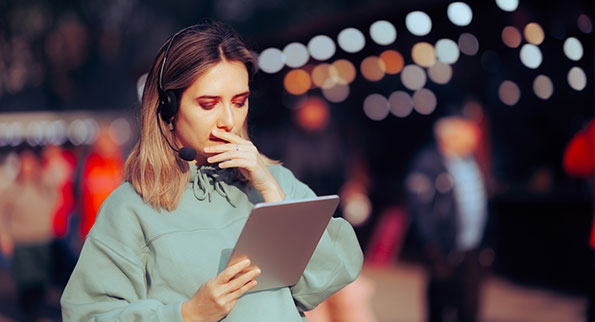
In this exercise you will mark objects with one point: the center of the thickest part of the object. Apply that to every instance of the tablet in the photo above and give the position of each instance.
(280, 238)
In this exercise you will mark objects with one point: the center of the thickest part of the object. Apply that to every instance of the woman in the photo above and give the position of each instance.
(155, 249)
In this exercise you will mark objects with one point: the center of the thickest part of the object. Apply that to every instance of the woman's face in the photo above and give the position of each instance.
(216, 100)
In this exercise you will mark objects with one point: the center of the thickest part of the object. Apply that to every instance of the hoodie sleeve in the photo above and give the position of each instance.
(109, 281)
(337, 260)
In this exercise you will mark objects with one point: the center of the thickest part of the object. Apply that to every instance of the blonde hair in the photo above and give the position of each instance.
(157, 173)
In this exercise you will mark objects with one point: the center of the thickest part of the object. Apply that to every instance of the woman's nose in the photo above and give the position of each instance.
(225, 120)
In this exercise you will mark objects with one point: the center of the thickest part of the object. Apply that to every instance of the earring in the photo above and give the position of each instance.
(170, 126)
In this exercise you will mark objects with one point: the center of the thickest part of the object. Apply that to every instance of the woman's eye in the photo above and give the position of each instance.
(207, 105)
(240, 103)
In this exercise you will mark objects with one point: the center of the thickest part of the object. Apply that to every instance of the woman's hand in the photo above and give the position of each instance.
(242, 154)
(217, 297)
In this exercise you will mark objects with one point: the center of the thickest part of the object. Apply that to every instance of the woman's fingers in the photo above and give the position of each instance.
(233, 296)
(240, 280)
(228, 136)
(227, 274)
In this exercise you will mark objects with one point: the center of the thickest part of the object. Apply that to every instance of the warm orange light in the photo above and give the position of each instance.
(297, 82)
(321, 76)
(344, 70)
(511, 37)
(313, 115)
(423, 54)
(534, 33)
(372, 68)
(393, 61)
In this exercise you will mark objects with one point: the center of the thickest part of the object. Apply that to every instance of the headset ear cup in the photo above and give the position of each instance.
(168, 106)
(173, 103)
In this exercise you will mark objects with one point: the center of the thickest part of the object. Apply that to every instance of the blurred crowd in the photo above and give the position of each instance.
(49, 198)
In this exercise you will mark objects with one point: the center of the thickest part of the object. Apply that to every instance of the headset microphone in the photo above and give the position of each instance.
(169, 104)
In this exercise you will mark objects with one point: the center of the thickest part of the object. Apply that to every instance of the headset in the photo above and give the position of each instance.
(169, 102)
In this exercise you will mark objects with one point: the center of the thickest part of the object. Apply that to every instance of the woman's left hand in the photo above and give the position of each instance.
(242, 154)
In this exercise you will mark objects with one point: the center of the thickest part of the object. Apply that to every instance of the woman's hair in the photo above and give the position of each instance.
(157, 173)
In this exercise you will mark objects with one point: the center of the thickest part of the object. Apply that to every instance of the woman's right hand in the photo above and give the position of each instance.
(217, 297)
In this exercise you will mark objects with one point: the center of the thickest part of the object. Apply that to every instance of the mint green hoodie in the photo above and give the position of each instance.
(138, 264)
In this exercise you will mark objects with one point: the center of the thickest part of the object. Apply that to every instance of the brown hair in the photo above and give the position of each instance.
(157, 173)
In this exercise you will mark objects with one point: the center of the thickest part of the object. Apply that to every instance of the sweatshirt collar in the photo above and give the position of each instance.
(207, 179)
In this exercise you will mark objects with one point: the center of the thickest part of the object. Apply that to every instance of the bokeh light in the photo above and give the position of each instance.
(321, 47)
(344, 70)
(511, 37)
(534, 33)
(401, 104)
(573, 49)
(351, 40)
(270, 60)
(440, 73)
(531, 56)
(423, 54)
(447, 51)
(120, 130)
(321, 76)
(383, 32)
(543, 87)
(34, 133)
(337, 93)
(509, 93)
(393, 61)
(296, 55)
(418, 23)
(372, 68)
(468, 44)
(584, 23)
(313, 114)
(413, 77)
(507, 5)
(297, 82)
(424, 101)
(577, 78)
(376, 107)
(459, 13)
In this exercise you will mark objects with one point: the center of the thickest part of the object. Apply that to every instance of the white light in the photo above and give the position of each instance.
(459, 13)
(14, 133)
(357, 209)
(140, 86)
(401, 104)
(351, 40)
(383, 32)
(531, 56)
(413, 77)
(447, 51)
(577, 78)
(376, 107)
(296, 55)
(92, 131)
(119, 131)
(418, 23)
(271, 60)
(573, 49)
(34, 133)
(321, 47)
(507, 5)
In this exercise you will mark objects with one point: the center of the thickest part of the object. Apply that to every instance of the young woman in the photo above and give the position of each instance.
(155, 250)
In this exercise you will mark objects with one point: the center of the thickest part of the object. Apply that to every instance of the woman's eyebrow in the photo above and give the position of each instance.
(219, 97)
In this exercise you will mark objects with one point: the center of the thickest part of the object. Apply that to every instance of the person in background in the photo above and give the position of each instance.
(447, 200)
(101, 174)
(155, 249)
(26, 232)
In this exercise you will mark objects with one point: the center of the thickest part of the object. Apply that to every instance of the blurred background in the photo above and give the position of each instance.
(348, 94)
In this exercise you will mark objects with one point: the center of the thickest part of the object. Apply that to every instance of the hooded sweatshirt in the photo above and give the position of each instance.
(139, 264)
